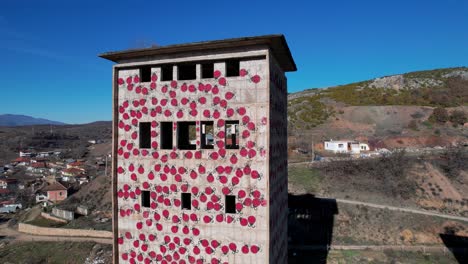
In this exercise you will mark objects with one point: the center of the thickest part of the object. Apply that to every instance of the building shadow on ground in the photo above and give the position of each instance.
(310, 228)
(458, 245)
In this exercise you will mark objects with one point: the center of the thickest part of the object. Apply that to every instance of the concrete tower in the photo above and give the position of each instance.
(200, 152)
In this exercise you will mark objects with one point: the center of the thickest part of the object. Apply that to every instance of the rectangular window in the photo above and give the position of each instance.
(230, 204)
(145, 198)
(340, 145)
(207, 70)
(186, 135)
(232, 68)
(207, 132)
(145, 74)
(187, 71)
(166, 135)
(232, 135)
(186, 201)
(166, 73)
(145, 135)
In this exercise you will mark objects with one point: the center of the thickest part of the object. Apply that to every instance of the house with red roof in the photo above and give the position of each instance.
(37, 167)
(8, 183)
(22, 161)
(76, 165)
(56, 192)
(70, 174)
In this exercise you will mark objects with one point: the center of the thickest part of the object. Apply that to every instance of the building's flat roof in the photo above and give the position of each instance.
(277, 44)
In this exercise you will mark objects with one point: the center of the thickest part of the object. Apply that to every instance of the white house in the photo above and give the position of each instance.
(353, 147)
(336, 146)
(25, 154)
(40, 197)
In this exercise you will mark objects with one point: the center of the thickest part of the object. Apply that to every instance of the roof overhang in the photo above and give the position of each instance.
(276, 43)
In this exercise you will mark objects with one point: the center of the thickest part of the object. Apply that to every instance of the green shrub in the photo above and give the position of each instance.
(458, 117)
(439, 115)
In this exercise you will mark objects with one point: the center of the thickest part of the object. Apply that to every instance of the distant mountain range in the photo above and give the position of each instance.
(23, 120)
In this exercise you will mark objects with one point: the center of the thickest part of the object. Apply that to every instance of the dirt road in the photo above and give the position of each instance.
(401, 209)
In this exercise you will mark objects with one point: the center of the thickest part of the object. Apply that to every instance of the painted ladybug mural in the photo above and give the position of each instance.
(176, 186)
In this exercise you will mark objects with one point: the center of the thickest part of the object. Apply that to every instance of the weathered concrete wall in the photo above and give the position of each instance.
(278, 175)
(82, 210)
(206, 232)
(45, 231)
(65, 214)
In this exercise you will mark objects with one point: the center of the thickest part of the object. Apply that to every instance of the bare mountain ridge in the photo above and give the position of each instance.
(11, 120)
(410, 80)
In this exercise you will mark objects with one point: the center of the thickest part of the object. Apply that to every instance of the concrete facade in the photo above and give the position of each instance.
(150, 225)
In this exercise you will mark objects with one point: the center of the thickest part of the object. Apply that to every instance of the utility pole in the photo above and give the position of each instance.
(312, 151)
(105, 169)
(105, 173)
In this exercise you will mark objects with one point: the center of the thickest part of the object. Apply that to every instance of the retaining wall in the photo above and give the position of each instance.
(46, 231)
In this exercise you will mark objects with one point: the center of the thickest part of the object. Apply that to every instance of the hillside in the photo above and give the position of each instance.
(430, 183)
(73, 139)
(23, 120)
(392, 111)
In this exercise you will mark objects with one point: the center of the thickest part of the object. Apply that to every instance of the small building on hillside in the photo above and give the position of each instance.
(69, 175)
(95, 141)
(336, 146)
(76, 165)
(38, 159)
(342, 146)
(56, 192)
(27, 154)
(8, 183)
(22, 161)
(37, 167)
(40, 197)
(45, 154)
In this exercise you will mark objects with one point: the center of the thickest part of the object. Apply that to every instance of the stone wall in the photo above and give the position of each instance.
(46, 231)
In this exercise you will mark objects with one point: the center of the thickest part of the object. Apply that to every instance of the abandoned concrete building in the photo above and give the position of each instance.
(200, 152)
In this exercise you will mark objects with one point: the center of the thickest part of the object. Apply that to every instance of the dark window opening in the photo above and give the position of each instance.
(145, 74)
(145, 198)
(232, 68)
(232, 135)
(186, 135)
(207, 70)
(230, 204)
(166, 73)
(186, 201)
(166, 135)
(207, 132)
(145, 135)
(187, 71)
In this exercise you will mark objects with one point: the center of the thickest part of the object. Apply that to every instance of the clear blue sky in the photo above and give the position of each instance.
(49, 66)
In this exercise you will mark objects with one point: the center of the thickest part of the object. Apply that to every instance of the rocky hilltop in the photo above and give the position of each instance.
(392, 111)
